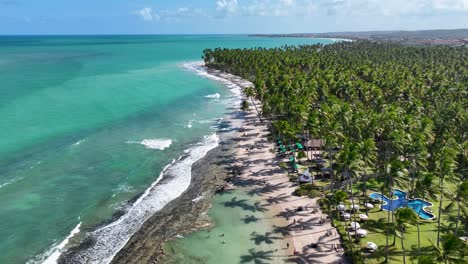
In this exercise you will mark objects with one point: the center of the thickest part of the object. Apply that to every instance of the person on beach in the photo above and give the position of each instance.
(287, 245)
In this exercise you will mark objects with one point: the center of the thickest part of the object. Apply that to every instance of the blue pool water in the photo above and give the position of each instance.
(401, 201)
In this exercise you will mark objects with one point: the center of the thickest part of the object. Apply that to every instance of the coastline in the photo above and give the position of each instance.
(297, 222)
(103, 244)
(188, 212)
(230, 161)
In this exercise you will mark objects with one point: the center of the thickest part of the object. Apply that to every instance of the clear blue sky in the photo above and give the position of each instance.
(226, 16)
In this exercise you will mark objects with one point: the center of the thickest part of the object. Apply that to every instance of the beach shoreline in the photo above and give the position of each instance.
(243, 155)
(199, 190)
(188, 212)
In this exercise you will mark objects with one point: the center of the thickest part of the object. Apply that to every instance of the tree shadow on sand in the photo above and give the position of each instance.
(266, 189)
(288, 213)
(278, 199)
(267, 238)
(243, 204)
(250, 219)
(257, 257)
(283, 230)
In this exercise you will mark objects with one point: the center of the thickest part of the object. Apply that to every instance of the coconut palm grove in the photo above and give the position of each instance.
(388, 117)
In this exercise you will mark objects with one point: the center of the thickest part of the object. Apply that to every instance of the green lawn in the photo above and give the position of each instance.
(376, 226)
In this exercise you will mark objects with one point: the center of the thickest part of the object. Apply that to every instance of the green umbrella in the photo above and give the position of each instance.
(299, 146)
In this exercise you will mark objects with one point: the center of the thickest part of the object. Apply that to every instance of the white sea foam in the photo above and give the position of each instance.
(234, 83)
(213, 96)
(113, 237)
(9, 182)
(79, 142)
(189, 124)
(160, 144)
(53, 254)
(205, 121)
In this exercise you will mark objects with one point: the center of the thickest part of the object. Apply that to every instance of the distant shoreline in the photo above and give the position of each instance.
(298, 36)
(453, 37)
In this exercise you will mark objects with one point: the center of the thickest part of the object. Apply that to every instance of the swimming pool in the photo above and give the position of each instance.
(417, 204)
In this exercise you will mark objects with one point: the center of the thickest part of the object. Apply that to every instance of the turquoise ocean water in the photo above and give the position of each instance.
(88, 122)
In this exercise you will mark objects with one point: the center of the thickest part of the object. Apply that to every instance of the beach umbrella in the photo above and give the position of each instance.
(361, 232)
(355, 207)
(363, 217)
(372, 245)
(299, 146)
(355, 226)
(346, 215)
(369, 205)
(341, 207)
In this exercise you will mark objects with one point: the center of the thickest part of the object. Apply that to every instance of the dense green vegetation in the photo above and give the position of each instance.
(389, 114)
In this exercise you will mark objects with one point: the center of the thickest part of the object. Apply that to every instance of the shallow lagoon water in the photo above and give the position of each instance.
(247, 232)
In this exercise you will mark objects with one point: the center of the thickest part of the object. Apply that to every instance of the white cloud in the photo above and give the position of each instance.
(455, 5)
(147, 14)
(227, 7)
(276, 8)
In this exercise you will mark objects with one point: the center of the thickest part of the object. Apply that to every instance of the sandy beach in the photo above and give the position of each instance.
(245, 158)
(303, 228)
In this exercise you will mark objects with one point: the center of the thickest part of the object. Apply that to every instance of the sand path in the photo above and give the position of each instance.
(271, 184)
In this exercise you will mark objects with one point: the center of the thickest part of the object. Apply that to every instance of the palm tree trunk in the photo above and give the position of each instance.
(458, 218)
(388, 216)
(352, 202)
(388, 234)
(440, 210)
(403, 247)
(349, 239)
(394, 233)
(419, 232)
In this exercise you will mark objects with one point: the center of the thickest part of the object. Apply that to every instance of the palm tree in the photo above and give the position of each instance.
(424, 187)
(395, 171)
(367, 150)
(341, 196)
(445, 167)
(404, 215)
(404, 107)
(349, 164)
(245, 106)
(453, 250)
(459, 200)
